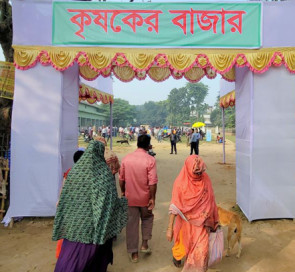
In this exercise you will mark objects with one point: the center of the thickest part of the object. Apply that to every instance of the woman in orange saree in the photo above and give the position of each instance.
(193, 214)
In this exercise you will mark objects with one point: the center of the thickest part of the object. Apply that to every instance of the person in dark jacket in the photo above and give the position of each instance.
(173, 140)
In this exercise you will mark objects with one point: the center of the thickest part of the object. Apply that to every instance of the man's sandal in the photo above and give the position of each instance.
(146, 250)
(132, 259)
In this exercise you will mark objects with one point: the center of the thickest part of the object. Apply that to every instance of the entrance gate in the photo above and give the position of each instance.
(46, 101)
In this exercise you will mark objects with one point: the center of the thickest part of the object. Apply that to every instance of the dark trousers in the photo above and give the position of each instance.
(132, 228)
(173, 145)
(195, 147)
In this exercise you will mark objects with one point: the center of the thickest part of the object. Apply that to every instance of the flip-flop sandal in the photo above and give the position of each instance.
(146, 250)
(133, 260)
(176, 262)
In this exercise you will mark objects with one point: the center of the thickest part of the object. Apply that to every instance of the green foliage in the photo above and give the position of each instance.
(6, 44)
(152, 113)
(123, 112)
(229, 116)
(187, 103)
(216, 117)
(178, 106)
(183, 104)
(6, 29)
(197, 93)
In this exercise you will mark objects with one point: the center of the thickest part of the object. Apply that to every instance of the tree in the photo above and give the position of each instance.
(197, 93)
(178, 106)
(229, 115)
(123, 113)
(187, 103)
(6, 30)
(6, 44)
(152, 113)
(215, 117)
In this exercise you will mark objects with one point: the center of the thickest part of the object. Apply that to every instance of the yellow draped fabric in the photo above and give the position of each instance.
(124, 73)
(194, 74)
(7, 74)
(159, 74)
(92, 95)
(87, 73)
(178, 63)
(228, 100)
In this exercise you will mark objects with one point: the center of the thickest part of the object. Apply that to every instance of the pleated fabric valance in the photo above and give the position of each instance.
(92, 95)
(228, 100)
(159, 64)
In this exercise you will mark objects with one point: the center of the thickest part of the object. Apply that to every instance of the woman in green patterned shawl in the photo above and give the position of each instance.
(89, 214)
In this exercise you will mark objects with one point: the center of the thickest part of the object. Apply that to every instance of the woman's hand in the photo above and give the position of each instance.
(169, 234)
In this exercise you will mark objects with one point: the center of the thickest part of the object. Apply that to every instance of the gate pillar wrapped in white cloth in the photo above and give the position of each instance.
(43, 138)
(265, 133)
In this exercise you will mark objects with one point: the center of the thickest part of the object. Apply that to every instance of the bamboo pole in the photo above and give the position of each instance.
(111, 125)
(223, 131)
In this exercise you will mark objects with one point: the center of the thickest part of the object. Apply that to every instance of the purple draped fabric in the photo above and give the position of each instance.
(79, 257)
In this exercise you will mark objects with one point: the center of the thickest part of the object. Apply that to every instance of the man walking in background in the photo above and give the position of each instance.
(104, 131)
(138, 182)
(173, 141)
(194, 141)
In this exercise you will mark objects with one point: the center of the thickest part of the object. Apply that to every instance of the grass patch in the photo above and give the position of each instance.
(231, 138)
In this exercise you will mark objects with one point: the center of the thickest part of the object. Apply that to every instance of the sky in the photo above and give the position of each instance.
(138, 92)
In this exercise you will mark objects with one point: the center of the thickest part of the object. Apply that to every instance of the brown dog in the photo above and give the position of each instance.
(234, 232)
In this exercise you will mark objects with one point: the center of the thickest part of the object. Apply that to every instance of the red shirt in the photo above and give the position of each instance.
(139, 171)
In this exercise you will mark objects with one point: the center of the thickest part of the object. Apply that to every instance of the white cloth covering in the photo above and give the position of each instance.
(43, 138)
(226, 87)
(265, 133)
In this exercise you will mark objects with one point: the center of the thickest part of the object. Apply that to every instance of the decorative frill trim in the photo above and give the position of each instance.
(228, 100)
(92, 95)
(130, 63)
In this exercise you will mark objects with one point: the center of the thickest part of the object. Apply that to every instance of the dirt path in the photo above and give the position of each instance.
(268, 246)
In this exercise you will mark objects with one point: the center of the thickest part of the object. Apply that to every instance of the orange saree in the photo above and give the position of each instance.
(194, 202)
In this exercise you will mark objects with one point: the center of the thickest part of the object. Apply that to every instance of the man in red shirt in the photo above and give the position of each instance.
(138, 182)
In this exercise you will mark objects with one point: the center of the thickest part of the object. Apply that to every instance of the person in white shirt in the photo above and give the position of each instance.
(104, 131)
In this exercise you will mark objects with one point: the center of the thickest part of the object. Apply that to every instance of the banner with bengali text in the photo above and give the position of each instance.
(205, 25)
(6, 79)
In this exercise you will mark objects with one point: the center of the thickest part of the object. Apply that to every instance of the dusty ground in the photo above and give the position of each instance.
(268, 246)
